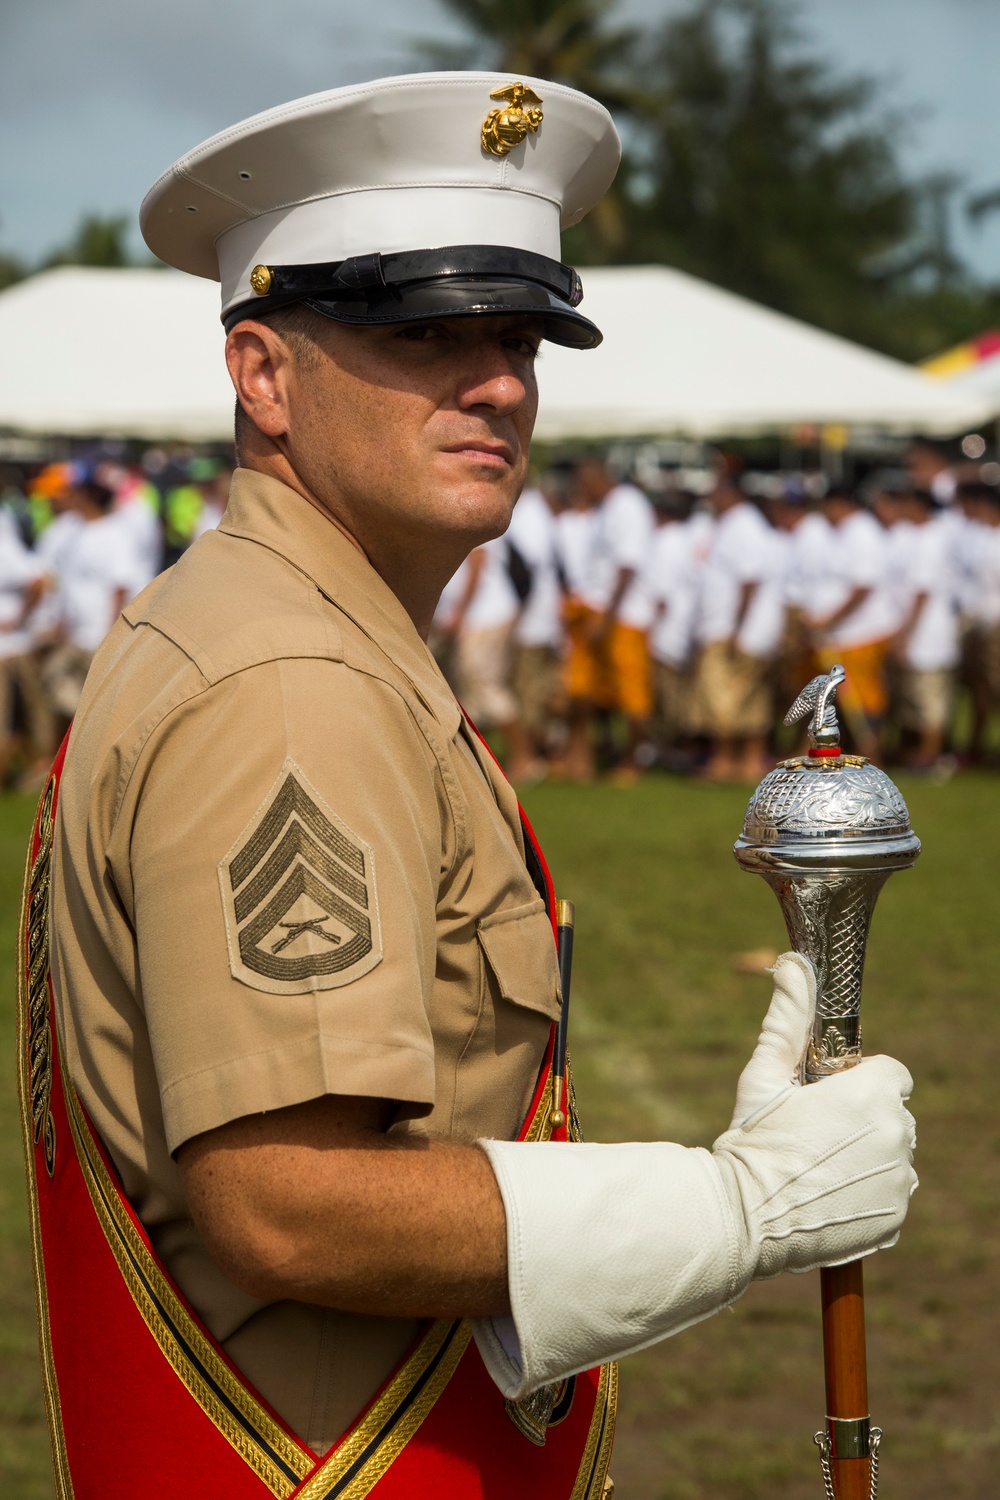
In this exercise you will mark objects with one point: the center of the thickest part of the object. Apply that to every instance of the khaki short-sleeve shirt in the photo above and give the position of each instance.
(285, 868)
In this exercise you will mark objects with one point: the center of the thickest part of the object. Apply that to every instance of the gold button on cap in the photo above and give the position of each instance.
(261, 280)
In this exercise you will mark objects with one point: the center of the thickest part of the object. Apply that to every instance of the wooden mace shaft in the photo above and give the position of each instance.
(846, 1365)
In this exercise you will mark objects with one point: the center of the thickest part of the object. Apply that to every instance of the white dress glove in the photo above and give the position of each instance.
(611, 1248)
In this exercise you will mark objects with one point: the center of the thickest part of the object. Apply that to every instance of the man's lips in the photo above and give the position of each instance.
(497, 455)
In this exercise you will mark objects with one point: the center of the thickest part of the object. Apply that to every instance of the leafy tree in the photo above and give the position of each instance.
(97, 242)
(11, 270)
(569, 41)
(750, 162)
(760, 169)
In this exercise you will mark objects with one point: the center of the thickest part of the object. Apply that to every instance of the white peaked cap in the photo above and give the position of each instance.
(375, 169)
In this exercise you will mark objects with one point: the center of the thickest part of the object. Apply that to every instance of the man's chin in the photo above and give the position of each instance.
(461, 528)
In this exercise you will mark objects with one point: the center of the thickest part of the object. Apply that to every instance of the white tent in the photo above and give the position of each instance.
(114, 353)
(682, 356)
(139, 353)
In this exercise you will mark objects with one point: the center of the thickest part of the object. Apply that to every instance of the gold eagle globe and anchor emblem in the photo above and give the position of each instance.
(503, 129)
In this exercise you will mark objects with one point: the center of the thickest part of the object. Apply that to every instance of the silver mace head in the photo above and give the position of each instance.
(826, 830)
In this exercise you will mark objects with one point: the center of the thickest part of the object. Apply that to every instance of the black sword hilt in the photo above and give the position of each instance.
(565, 919)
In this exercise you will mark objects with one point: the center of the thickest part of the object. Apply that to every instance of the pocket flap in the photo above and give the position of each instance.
(520, 950)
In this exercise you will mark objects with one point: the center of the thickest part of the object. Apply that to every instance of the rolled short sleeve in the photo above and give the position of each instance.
(284, 860)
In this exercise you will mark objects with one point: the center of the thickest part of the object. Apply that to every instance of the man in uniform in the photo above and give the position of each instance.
(304, 1226)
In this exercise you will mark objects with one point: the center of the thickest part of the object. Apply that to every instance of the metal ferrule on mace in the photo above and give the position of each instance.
(826, 830)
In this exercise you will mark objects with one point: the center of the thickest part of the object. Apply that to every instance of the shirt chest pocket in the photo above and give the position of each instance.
(520, 956)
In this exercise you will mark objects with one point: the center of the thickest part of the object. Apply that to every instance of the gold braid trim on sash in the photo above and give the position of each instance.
(358, 1463)
(275, 1457)
(367, 1450)
(50, 1387)
(593, 1471)
(285, 1466)
(273, 1454)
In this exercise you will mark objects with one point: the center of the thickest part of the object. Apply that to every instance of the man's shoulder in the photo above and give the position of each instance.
(235, 618)
(230, 604)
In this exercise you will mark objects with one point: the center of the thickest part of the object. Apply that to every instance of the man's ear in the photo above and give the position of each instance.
(259, 364)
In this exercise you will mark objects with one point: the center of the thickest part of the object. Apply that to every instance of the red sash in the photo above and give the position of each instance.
(143, 1404)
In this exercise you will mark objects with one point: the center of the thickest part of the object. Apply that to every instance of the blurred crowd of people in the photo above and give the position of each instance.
(78, 541)
(613, 631)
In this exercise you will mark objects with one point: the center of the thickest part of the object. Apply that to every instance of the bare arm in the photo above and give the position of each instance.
(316, 1203)
(30, 596)
(903, 635)
(854, 600)
(747, 592)
(602, 626)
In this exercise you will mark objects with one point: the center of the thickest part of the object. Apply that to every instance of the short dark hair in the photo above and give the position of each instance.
(98, 494)
(978, 489)
(300, 326)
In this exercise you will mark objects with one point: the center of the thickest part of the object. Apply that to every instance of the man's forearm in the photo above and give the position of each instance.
(310, 1204)
(854, 601)
(623, 583)
(747, 594)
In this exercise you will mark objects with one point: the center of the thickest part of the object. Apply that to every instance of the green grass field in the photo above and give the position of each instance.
(662, 1025)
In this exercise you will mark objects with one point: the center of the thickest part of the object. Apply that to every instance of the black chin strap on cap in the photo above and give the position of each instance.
(420, 284)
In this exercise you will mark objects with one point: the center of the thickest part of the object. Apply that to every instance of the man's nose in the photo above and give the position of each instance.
(495, 384)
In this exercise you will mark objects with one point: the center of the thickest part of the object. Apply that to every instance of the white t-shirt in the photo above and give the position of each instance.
(742, 551)
(574, 544)
(495, 601)
(136, 510)
(450, 596)
(53, 545)
(985, 592)
(533, 532)
(921, 564)
(762, 630)
(621, 538)
(100, 562)
(671, 581)
(858, 559)
(807, 560)
(19, 567)
(966, 539)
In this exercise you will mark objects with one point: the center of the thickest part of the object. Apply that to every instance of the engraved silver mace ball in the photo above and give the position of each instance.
(826, 830)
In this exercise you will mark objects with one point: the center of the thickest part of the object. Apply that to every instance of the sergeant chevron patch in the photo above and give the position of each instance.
(298, 893)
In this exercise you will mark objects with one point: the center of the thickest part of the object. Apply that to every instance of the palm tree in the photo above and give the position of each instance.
(570, 42)
(565, 40)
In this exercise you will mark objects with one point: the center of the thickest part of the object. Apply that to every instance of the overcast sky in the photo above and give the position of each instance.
(97, 97)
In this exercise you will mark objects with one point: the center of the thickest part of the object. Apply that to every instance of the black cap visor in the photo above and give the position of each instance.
(457, 282)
